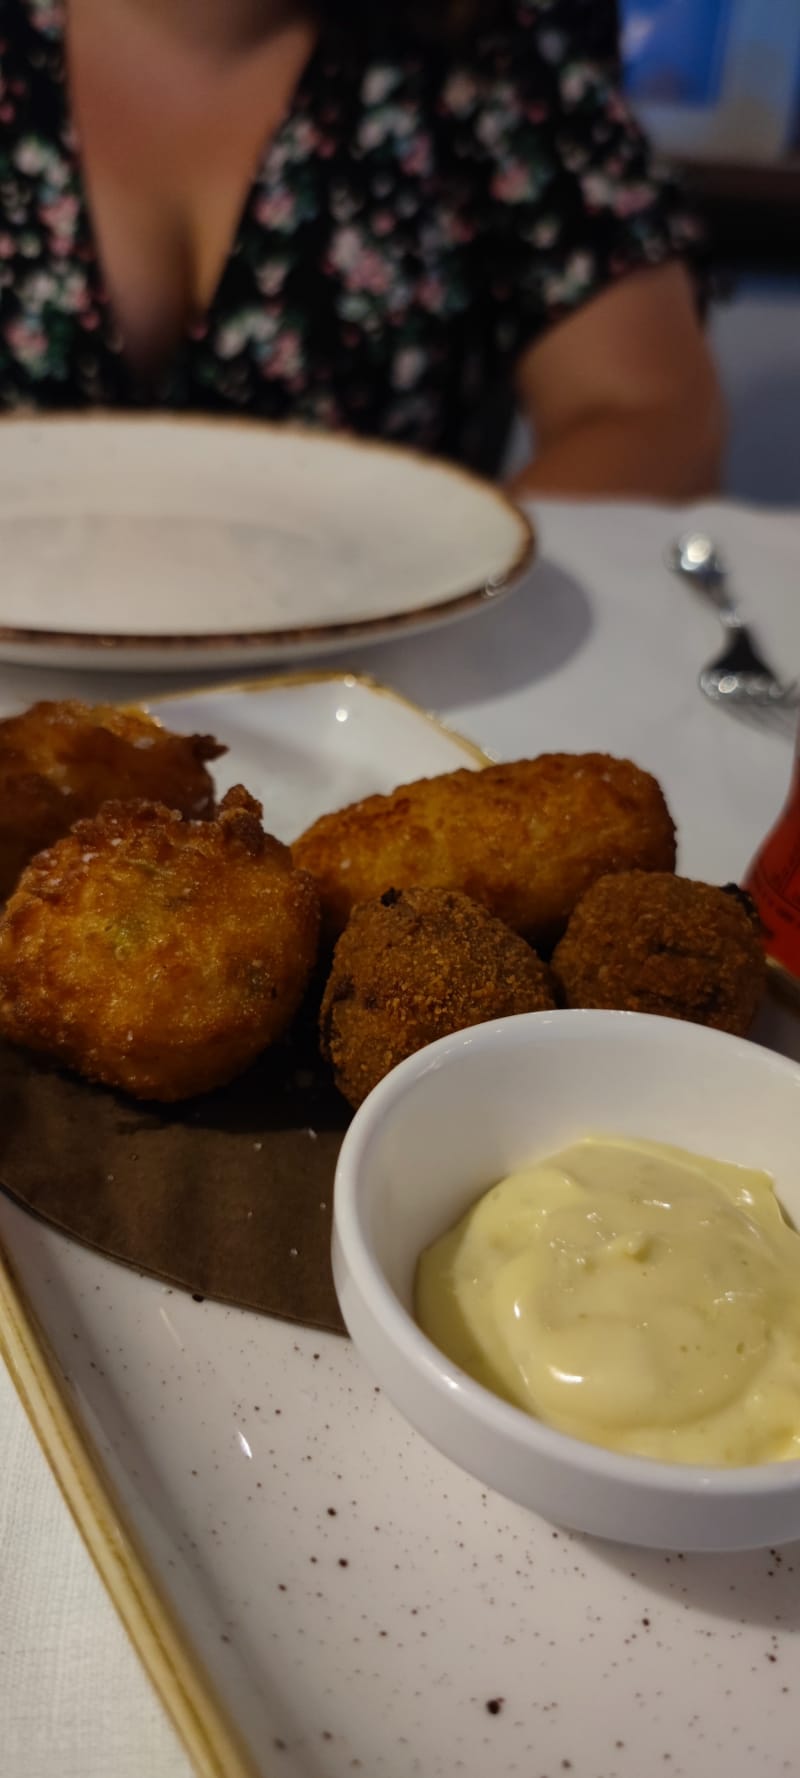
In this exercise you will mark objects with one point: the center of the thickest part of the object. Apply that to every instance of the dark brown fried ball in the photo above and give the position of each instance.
(651, 942)
(526, 840)
(62, 761)
(158, 954)
(417, 965)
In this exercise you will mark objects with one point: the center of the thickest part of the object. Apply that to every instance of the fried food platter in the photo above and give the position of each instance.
(163, 941)
(359, 1603)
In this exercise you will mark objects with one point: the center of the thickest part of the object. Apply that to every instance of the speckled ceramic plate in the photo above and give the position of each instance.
(312, 1572)
(158, 542)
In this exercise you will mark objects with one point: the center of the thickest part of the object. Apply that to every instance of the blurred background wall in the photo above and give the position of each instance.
(757, 341)
(717, 83)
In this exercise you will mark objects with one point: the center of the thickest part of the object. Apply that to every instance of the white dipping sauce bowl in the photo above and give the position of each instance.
(457, 1117)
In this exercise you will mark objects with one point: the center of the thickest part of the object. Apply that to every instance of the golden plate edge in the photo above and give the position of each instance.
(177, 1673)
(322, 676)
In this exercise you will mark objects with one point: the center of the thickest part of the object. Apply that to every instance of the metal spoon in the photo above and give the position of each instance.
(740, 675)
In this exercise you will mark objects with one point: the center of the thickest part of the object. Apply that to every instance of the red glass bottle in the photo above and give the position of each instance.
(773, 880)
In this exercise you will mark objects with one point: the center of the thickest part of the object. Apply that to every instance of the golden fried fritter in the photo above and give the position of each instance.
(61, 761)
(414, 966)
(526, 840)
(648, 942)
(158, 954)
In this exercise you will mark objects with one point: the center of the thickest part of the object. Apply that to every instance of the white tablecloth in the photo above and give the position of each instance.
(599, 650)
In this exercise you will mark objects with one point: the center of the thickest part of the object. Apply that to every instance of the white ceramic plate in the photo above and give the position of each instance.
(166, 542)
(361, 1605)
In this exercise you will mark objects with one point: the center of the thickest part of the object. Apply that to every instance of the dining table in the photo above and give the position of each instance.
(598, 649)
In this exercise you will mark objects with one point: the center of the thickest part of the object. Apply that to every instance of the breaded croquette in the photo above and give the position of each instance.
(526, 840)
(651, 942)
(414, 966)
(62, 761)
(155, 953)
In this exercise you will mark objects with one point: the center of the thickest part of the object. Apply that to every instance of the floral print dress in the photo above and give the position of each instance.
(416, 222)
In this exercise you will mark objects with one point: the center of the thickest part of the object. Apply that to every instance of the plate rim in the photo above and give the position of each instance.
(315, 676)
(316, 635)
(178, 1674)
(179, 1677)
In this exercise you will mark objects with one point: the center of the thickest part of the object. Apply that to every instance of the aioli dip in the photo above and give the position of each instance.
(633, 1295)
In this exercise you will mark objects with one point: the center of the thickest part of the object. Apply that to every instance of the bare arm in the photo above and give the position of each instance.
(624, 397)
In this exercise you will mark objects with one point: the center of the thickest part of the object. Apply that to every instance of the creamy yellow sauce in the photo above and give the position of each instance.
(636, 1296)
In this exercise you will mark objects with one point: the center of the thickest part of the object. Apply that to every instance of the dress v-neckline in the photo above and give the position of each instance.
(155, 391)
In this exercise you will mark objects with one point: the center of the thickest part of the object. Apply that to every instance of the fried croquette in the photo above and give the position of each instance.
(62, 761)
(651, 942)
(414, 966)
(526, 840)
(155, 953)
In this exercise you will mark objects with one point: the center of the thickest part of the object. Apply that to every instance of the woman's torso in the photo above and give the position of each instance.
(375, 274)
